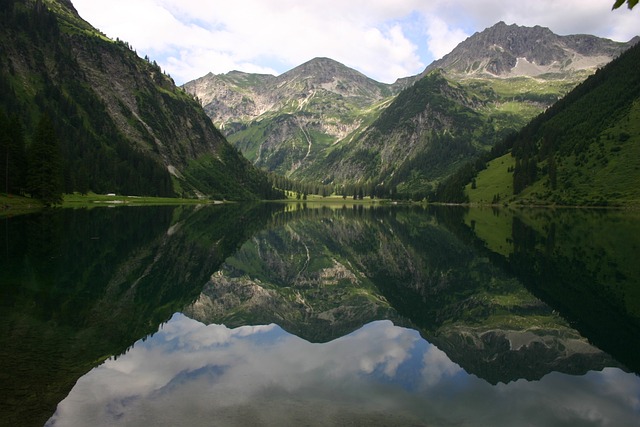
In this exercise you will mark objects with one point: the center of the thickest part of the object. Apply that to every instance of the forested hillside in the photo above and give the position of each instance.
(424, 133)
(583, 150)
(81, 112)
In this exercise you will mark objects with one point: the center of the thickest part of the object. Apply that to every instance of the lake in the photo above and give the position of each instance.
(309, 314)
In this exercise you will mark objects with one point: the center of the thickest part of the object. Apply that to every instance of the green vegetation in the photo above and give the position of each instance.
(494, 184)
(582, 151)
(11, 205)
(120, 124)
(230, 177)
(92, 200)
(510, 103)
(44, 173)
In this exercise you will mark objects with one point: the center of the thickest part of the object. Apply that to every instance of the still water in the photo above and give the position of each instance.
(344, 315)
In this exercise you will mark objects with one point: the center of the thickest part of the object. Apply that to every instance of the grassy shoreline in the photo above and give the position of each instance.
(11, 204)
(94, 200)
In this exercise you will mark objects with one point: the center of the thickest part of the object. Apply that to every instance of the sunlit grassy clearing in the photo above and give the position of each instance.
(494, 184)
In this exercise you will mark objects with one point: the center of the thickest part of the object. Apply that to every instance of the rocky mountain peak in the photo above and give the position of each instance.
(511, 50)
(320, 68)
(332, 76)
(306, 89)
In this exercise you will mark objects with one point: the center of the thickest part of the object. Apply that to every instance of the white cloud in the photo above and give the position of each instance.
(442, 38)
(191, 38)
(437, 366)
(189, 373)
(384, 39)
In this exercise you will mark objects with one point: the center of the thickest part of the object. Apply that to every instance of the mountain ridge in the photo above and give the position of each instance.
(511, 50)
(306, 139)
(317, 73)
(308, 109)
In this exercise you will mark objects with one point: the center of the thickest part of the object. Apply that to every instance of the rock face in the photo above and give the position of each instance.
(238, 96)
(233, 96)
(510, 50)
(282, 123)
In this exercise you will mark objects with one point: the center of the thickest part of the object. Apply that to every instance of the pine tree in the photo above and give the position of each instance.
(44, 176)
(12, 154)
(553, 172)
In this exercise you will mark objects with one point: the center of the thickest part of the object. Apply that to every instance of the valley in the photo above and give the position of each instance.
(315, 247)
(324, 123)
(122, 125)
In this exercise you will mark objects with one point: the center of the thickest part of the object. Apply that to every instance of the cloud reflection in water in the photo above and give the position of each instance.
(192, 374)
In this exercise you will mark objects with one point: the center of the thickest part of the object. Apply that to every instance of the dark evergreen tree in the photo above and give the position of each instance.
(44, 175)
(553, 172)
(12, 154)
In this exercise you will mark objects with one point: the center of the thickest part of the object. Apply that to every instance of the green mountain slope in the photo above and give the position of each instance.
(121, 123)
(583, 150)
(423, 134)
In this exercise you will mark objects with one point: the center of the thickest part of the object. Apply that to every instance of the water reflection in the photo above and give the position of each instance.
(581, 262)
(78, 286)
(381, 374)
(323, 274)
(481, 303)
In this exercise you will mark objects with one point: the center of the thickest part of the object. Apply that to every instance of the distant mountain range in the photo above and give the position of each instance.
(285, 122)
(324, 122)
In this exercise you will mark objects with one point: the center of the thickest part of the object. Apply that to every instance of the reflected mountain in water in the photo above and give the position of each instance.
(324, 273)
(78, 286)
(582, 262)
(379, 375)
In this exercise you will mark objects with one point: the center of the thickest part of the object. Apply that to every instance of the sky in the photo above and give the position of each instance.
(383, 39)
(189, 373)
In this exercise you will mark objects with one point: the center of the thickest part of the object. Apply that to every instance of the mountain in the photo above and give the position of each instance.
(583, 150)
(118, 122)
(392, 141)
(454, 112)
(281, 123)
(511, 50)
(426, 131)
